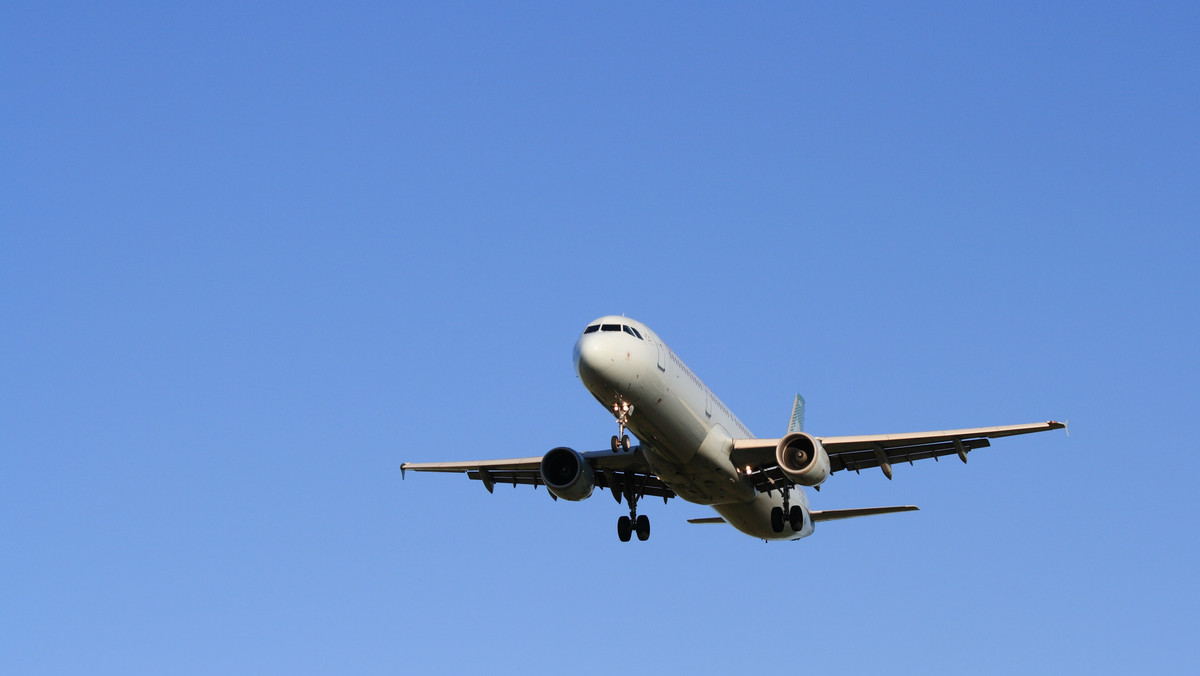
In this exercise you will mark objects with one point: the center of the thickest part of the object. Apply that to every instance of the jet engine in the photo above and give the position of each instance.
(567, 474)
(802, 459)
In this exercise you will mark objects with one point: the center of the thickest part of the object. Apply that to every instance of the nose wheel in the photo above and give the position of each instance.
(620, 440)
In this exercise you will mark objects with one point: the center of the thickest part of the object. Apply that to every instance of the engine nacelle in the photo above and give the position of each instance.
(567, 474)
(802, 459)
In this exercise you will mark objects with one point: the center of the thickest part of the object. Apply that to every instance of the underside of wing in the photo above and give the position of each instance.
(620, 472)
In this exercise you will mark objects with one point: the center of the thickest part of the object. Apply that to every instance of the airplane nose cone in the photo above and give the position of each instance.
(592, 360)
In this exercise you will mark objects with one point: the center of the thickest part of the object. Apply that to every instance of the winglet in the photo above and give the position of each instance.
(797, 423)
(403, 466)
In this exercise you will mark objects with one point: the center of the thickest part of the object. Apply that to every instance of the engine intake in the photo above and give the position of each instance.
(802, 459)
(567, 474)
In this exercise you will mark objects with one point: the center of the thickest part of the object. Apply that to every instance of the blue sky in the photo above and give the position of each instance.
(253, 257)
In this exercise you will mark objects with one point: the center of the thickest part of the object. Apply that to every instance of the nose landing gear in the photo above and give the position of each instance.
(620, 441)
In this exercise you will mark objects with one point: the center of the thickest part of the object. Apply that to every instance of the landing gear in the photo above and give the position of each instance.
(634, 523)
(627, 526)
(796, 518)
(620, 441)
(624, 529)
(643, 527)
(794, 515)
(777, 519)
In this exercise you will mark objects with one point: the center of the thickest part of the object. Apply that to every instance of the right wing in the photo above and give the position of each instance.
(881, 450)
(623, 471)
(876, 450)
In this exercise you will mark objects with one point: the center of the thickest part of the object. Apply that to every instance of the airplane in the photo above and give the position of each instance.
(693, 447)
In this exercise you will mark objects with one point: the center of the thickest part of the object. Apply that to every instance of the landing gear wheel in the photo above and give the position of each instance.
(624, 528)
(643, 527)
(625, 442)
(616, 443)
(777, 519)
(796, 518)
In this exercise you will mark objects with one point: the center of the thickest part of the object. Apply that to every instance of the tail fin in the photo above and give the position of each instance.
(797, 424)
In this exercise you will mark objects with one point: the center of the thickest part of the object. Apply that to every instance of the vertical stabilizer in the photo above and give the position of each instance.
(797, 424)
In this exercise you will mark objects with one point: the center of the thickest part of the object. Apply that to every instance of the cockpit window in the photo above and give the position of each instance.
(617, 328)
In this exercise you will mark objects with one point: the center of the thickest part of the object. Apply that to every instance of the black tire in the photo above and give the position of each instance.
(625, 442)
(643, 527)
(777, 519)
(796, 518)
(624, 528)
(615, 443)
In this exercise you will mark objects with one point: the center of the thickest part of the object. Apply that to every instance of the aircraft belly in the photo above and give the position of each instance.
(701, 481)
(754, 518)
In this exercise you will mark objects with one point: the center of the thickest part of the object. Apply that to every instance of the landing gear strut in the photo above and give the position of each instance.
(628, 525)
(620, 441)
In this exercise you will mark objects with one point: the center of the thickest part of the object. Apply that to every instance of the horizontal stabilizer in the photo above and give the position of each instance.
(711, 519)
(834, 514)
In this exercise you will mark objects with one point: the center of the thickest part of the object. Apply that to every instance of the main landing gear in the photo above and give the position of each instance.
(620, 440)
(626, 484)
(627, 525)
(795, 514)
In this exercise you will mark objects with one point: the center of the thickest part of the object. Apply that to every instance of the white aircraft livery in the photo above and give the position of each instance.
(692, 446)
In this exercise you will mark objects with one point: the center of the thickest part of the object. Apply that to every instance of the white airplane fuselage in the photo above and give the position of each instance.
(685, 431)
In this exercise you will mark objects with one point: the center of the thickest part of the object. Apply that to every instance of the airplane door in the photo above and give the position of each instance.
(662, 355)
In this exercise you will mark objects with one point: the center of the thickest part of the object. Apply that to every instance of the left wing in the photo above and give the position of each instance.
(878, 450)
(624, 471)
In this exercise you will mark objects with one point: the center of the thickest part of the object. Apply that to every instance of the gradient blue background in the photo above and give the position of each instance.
(253, 257)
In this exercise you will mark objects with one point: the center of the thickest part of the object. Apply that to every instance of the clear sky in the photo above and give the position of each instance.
(253, 256)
